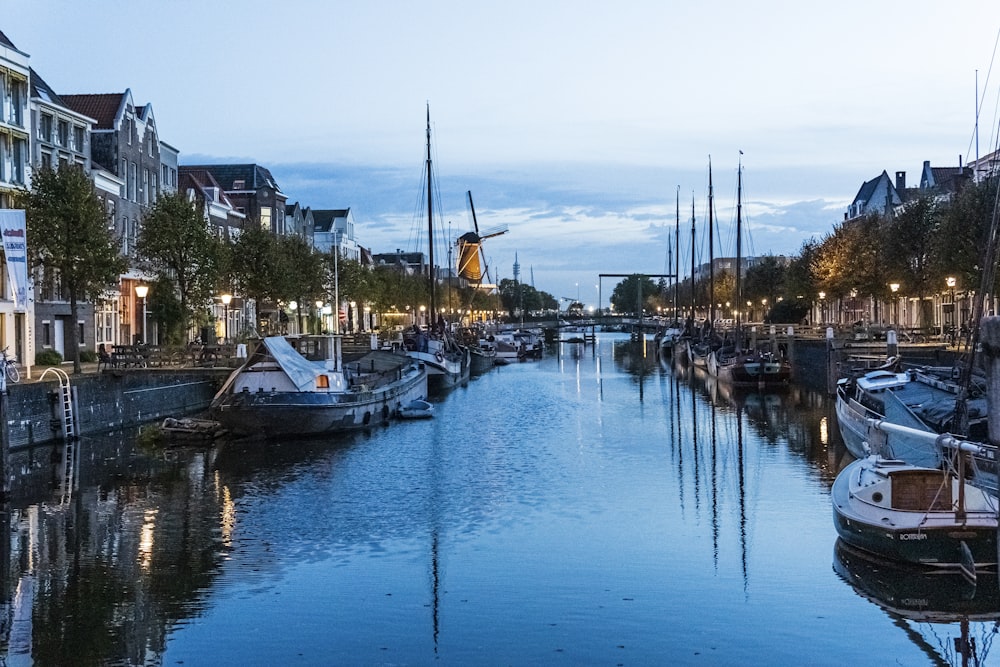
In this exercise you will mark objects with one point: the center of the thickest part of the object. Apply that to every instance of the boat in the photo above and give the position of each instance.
(416, 409)
(920, 397)
(517, 345)
(448, 363)
(191, 428)
(731, 362)
(931, 517)
(280, 392)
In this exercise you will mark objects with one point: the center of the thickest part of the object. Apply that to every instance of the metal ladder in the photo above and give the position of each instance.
(68, 416)
(70, 432)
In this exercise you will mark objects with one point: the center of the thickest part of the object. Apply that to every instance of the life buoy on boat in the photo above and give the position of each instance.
(439, 356)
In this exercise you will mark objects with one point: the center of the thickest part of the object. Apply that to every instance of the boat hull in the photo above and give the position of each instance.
(305, 414)
(927, 537)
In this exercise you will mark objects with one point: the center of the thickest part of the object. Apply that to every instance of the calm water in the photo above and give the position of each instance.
(591, 508)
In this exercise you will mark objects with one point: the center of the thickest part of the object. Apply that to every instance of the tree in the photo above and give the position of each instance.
(177, 243)
(625, 295)
(68, 239)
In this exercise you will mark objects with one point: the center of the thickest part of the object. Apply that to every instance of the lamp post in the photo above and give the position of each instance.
(822, 307)
(895, 303)
(226, 300)
(141, 291)
(950, 282)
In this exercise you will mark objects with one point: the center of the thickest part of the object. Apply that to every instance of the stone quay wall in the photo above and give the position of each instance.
(31, 413)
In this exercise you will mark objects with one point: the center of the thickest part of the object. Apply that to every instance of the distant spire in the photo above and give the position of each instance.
(517, 268)
(532, 275)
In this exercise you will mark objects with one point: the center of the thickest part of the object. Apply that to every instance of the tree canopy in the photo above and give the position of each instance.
(70, 243)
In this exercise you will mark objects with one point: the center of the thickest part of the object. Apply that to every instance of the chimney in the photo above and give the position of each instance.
(900, 181)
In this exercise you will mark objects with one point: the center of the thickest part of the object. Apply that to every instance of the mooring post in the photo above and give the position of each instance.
(891, 344)
(832, 363)
(989, 337)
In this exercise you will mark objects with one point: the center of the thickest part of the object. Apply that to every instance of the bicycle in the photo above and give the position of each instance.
(9, 366)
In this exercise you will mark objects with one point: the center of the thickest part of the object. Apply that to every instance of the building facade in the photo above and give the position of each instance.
(16, 319)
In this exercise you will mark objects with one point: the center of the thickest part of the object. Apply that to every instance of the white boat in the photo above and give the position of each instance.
(921, 399)
(417, 409)
(279, 392)
(914, 514)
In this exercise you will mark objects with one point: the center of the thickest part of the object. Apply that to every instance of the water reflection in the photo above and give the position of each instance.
(589, 507)
(951, 620)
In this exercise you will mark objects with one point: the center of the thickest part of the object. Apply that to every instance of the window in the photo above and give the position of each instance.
(265, 217)
(63, 138)
(78, 138)
(145, 186)
(154, 190)
(132, 181)
(110, 204)
(46, 160)
(239, 184)
(45, 128)
(123, 174)
(17, 160)
(46, 333)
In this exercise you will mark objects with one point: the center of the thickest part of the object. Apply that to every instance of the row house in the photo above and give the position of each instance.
(232, 313)
(253, 192)
(124, 142)
(16, 292)
(61, 138)
(299, 221)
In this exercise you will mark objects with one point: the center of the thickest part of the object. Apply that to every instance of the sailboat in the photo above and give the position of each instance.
(731, 363)
(447, 362)
(927, 516)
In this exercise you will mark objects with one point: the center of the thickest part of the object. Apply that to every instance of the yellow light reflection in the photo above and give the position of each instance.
(824, 432)
(228, 517)
(146, 539)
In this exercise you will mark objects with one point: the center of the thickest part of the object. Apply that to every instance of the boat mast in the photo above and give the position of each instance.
(692, 257)
(711, 253)
(677, 255)
(739, 247)
(430, 222)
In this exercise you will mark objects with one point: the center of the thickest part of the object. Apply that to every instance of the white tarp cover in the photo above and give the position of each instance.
(300, 370)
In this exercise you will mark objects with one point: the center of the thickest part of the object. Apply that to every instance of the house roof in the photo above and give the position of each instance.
(200, 179)
(254, 176)
(43, 90)
(6, 42)
(323, 218)
(102, 107)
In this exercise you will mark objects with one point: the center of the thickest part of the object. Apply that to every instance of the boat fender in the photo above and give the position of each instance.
(439, 356)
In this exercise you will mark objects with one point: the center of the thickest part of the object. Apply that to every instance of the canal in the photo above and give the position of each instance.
(591, 508)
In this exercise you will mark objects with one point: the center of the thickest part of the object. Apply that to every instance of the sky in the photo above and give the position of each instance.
(587, 129)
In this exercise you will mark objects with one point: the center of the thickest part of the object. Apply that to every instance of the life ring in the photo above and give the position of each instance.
(439, 356)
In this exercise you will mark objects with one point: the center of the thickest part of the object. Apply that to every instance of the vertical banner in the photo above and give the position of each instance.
(12, 228)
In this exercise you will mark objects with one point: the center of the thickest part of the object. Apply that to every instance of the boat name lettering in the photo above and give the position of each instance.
(912, 536)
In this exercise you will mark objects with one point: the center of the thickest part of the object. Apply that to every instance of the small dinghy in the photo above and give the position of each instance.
(416, 409)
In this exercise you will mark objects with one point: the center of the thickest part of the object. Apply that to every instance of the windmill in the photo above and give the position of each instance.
(471, 260)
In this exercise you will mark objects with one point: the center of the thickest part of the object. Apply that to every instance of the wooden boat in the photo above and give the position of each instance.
(190, 428)
(280, 392)
(914, 514)
(416, 409)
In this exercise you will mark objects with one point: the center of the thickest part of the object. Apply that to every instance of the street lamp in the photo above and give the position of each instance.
(141, 291)
(950, 282)
(895, 303)
(226, 300)
(822, 307)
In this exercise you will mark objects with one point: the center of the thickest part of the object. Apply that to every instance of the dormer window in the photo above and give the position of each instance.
(239, 184)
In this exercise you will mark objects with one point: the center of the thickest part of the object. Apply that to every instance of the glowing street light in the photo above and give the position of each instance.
(141, 291)
(226, 300)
